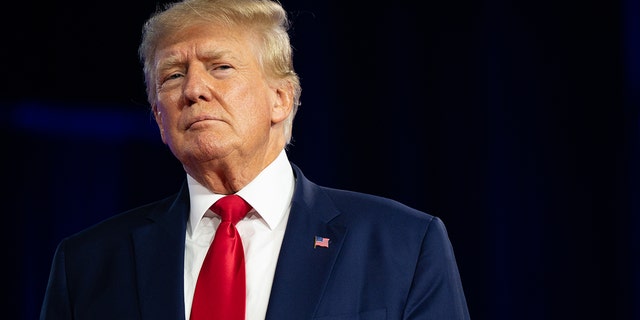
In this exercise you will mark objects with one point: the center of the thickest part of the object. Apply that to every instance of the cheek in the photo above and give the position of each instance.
(159, 116)
(261, 112)
(168, 99)
(254, 121)
(166, 115)
(167, 103)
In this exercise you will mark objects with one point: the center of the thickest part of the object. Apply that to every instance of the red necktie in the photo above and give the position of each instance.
(221, 288)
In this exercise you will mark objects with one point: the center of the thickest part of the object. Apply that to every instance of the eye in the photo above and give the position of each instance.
(168, 79)
(221, 70)
(172, 76)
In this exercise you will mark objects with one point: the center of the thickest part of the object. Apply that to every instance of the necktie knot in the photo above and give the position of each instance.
(231, 208)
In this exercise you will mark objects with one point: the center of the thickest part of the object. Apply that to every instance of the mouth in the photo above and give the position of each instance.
(200, 122)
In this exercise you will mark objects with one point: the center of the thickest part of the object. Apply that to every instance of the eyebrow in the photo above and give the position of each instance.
(174, 60)
(168, 63)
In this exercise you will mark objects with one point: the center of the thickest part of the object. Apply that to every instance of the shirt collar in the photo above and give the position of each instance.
(269, 194)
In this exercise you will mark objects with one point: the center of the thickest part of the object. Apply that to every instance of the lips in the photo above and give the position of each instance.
(199, 119)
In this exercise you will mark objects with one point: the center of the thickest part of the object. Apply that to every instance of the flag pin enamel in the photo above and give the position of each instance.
(320, 242)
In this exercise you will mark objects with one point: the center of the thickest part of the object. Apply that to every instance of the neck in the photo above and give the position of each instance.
(228, 176)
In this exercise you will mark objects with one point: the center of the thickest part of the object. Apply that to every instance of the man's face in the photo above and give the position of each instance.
(213, 97)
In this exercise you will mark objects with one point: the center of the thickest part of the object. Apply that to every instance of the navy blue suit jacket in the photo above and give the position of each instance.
(385, 260)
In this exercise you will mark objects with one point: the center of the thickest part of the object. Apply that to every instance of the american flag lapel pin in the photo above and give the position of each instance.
(320, 242)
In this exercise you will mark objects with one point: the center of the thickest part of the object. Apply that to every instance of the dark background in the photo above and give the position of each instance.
(516, 122)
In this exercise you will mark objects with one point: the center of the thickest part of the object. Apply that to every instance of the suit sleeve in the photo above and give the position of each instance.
(437, 291)
(56, 304)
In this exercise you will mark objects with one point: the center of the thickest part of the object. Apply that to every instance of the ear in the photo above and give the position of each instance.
(284, 102)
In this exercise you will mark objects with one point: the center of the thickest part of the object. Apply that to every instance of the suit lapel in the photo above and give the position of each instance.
(301, 274)
(302, 270)
(159, 252)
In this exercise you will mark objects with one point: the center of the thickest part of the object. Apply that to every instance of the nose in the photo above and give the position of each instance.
(198, 85)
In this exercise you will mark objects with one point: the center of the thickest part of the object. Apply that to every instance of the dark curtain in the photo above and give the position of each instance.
(517, 123)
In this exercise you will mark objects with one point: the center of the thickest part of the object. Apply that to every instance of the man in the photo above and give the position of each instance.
(223, 92)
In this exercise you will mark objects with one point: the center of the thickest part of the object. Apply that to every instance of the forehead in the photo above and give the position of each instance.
(206, 40)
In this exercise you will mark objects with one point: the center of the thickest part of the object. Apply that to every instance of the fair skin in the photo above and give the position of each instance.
(216, 109)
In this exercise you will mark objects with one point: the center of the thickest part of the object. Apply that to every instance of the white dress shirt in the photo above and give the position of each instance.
(262, 231)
